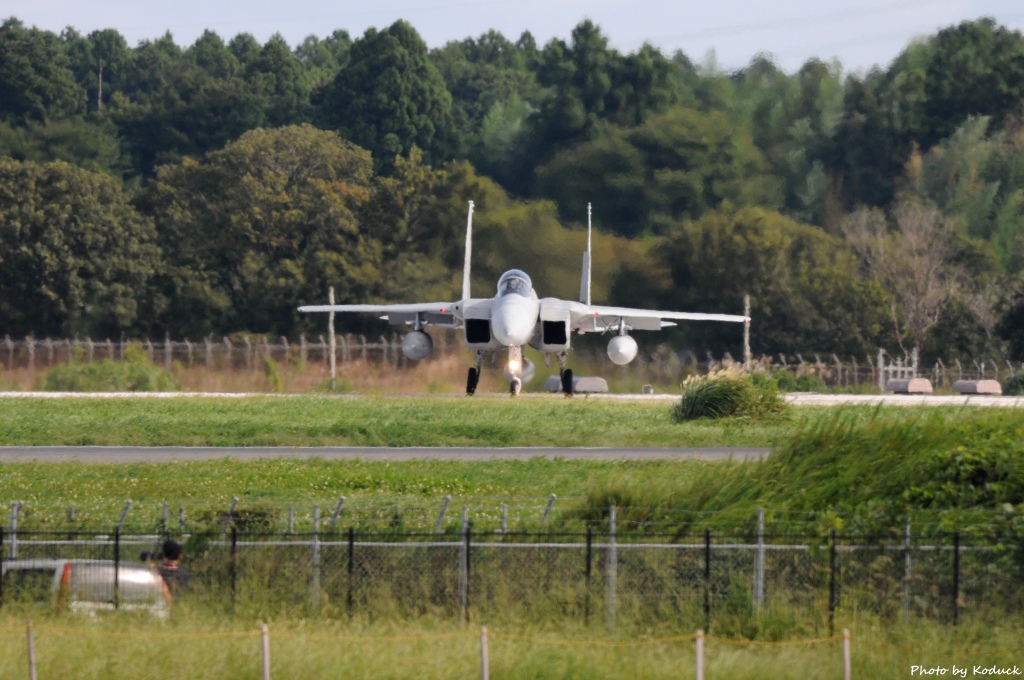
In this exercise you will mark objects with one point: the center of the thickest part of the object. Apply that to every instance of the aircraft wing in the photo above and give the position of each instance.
(430, 313)
(606, 318)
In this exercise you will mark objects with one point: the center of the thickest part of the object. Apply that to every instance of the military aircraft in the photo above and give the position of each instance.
(516, 317)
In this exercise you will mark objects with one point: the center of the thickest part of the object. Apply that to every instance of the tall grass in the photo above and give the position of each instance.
(225, 648)
(728, 394)
(134, 374)
(877, 464)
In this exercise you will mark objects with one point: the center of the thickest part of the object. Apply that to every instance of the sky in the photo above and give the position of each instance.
(859, 33)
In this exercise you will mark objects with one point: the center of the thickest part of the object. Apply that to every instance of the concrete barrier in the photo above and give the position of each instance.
(977, 387)
(581, 385)
(909, 386)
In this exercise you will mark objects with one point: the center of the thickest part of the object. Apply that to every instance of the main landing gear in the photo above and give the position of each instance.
(473, 379)
(515, 386)
(566, 374)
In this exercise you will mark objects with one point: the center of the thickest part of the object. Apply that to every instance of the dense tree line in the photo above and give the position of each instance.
(212, 188)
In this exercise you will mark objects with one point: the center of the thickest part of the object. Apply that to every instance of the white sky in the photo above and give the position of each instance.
(860, 33)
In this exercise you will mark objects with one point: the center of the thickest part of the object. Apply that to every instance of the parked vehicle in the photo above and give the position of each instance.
(86, 586)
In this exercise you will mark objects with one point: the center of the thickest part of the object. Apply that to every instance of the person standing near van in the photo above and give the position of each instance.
(176, 578)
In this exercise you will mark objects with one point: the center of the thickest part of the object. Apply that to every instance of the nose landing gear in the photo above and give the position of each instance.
(515, 386)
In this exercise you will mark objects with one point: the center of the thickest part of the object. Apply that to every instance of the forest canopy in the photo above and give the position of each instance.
(212, 188)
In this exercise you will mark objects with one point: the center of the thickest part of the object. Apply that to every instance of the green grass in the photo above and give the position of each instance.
(324, 421)
(221, 648)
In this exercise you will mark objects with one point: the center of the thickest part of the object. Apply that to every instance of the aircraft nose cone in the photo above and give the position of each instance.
(512, 325)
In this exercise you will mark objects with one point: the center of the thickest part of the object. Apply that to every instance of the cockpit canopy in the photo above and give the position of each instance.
(514, 281)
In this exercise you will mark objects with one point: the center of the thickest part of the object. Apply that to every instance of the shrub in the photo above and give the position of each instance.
(134, 374)
(788, 381)
(1013, 384)
(727, 394)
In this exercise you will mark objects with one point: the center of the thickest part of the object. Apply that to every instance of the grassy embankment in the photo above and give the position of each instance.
(201, 648)
(889, 461)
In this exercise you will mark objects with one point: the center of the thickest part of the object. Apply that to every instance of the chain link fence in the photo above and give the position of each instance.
(658, 364)
(729, 583)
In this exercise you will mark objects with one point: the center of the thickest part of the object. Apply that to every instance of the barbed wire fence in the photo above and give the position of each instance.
(249, 353)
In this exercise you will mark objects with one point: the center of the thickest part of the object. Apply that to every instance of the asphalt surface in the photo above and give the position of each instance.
(163, 454)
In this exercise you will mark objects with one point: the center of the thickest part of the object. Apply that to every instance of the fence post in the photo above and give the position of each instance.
(759, 562)
(847, 675)
(265, 645)
(330, 334)
(588, 571)
(832, 582)
(167, 352)
(440, 515)
(469, 534)
(15, 511)
(291, 519)
(707, 579)
(30, 345)
(485, 670)
(956, 577)
(181, 518)
(504, 518)
(117, 567)
(881, 370)
(906, 573)
(31, 651)
(612, 568)
(547, 509)
(464, 566)
(351, 566)
(746, 333)
(700, 654)
(234, 563)
(337, 511)
(314, 587)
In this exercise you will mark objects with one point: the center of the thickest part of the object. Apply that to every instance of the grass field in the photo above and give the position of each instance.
(202, 648)
(827, 459)
(323, 421)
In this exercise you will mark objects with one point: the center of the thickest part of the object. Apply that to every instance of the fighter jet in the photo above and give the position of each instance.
(516, 317)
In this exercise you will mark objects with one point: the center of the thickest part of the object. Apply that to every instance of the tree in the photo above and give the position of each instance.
(75, 257)
(256, 229)
(913, 263)
(390, 98)
(677, 165)
(36, 82)
(806, 294)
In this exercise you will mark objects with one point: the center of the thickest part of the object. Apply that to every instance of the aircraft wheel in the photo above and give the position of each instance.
(471, 381)
(515, 387)
(567, 382)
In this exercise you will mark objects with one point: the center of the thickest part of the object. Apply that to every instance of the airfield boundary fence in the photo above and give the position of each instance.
(714, 580)
(249, 353)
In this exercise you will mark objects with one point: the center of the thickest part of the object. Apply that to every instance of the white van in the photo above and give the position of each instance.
(86, 586)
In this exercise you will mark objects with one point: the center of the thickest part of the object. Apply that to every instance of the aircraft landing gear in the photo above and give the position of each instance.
(566, 374)
(515, 386)
(473, 379)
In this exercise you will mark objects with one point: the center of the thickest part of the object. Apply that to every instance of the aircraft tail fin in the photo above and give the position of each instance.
(469, 253)
(585, 280)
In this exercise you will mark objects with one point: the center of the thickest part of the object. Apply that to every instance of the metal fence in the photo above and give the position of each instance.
(711, 580)
(659, 363)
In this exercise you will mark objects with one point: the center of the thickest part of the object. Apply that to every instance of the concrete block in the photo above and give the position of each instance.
(977, 387)
(580, 385)
(909, 386)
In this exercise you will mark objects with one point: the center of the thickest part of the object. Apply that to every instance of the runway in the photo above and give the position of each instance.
(166, 454)
(794, 398)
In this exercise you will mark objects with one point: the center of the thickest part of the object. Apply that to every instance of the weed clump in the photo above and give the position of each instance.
(1013, 385)
(727, 394)
(134, 374)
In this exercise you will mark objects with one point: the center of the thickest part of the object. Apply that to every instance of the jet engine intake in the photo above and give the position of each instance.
(417, 345)
(622, 349)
